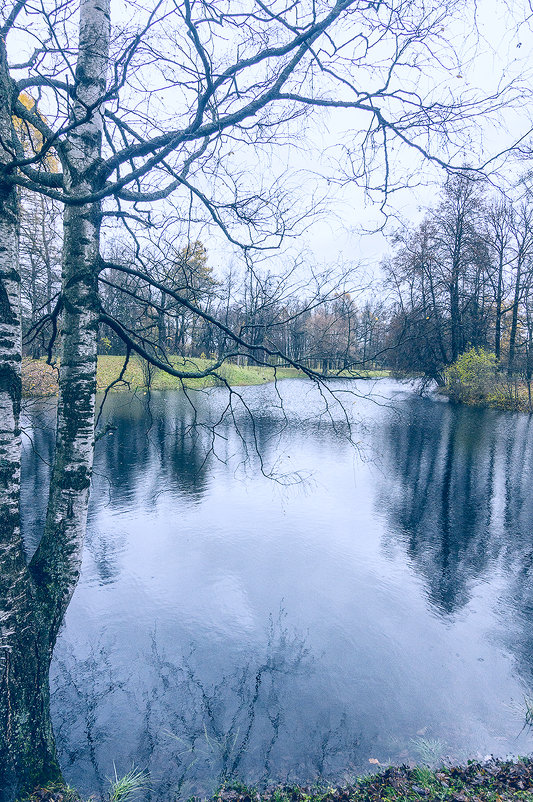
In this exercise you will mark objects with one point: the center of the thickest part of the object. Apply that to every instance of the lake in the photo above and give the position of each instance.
(296, 594)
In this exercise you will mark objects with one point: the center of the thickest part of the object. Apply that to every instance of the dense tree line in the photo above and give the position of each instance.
(461, 279)
(318, 321)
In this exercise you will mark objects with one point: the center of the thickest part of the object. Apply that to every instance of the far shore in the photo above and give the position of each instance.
(40, 379)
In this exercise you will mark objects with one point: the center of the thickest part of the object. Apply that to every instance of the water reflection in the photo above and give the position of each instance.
(404, 580)
(197, 732)
(152, 447)
(458, 494)
(442, 467)
(38, 428)
(463, 508)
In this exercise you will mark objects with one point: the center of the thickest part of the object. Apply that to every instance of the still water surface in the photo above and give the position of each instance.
(365, 603)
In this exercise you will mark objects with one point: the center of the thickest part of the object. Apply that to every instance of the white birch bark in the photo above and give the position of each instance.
(27, 751)
(33, 602)
(10, 352)
(56, 564)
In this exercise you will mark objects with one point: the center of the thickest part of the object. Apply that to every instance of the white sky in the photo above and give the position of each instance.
(500, 51)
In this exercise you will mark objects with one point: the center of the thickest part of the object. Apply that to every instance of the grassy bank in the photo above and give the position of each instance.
(40, 379)
(493, 781)
(496, 781)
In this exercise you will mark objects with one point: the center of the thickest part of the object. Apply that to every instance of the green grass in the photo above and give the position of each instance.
(236, 375)
(39, 379)
(129, 786)
(429, 750)
(362, 374)
(528, 712)
(126, 788)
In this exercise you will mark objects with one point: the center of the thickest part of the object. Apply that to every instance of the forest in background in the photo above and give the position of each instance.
(455, 290)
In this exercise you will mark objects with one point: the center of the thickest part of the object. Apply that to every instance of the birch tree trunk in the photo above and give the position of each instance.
(514, 319)
(34, 598)
(10, 334)
(56, 564)
(27, 752)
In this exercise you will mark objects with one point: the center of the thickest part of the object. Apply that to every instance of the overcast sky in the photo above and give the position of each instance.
(494, 43)
(498, 51)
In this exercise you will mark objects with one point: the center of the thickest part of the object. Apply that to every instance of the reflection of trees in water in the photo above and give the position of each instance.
(438, 496)
(186, 722)
(231, 723)
(193, 725)
(518, 521)
(81, 689)
(38, 447)
(518, 599)
(518, 448)
(458, 496)
(144, 454)
(161, 442)
(157, 449)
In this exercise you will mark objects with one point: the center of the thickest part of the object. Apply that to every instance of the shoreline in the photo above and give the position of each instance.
(40, 379)
(503, 399)
(494, 780)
